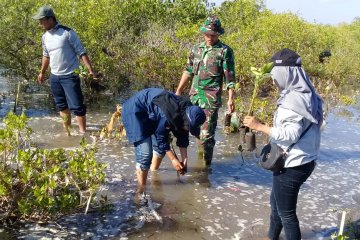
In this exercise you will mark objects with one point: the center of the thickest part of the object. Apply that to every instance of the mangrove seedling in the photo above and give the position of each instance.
(91, 82)
(261, 74)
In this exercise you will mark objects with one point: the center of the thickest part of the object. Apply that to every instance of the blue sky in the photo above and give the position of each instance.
(319, 11)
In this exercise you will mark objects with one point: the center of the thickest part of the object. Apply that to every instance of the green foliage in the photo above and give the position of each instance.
(334, 236)
(262, 108)
(347, 100)
(146, 42)
(38, 183)
(261, 74)
(18, 44)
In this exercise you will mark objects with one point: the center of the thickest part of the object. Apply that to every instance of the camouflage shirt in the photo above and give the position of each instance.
(208, 66)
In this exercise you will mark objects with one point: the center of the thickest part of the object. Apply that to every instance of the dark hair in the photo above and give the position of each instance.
(53, 17)
(324, 54)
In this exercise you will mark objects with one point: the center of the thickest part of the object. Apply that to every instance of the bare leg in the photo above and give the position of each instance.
(139, 198)
(66, 116)
(155, 162)
(141, 177)
(82, 123)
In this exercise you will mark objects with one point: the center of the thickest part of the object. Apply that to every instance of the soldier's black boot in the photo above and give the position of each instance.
(208, 154)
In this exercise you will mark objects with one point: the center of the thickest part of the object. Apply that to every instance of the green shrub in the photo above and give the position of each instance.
(37, 183)
(146, 43)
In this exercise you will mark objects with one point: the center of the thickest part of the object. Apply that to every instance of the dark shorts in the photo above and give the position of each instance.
(67, 93)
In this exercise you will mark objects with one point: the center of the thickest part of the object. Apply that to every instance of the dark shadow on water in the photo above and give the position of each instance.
(234, 170)
(331, 155)
(6, 235)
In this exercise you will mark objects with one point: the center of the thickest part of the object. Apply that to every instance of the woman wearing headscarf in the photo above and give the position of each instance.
(299, 108)
(149, 116)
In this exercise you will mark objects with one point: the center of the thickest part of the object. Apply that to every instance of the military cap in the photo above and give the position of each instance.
(212, 25)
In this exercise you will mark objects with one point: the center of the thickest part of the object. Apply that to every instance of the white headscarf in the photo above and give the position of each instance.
(297, 92)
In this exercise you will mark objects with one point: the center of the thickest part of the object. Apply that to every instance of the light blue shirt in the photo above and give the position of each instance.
(62, 45)
(287, 129)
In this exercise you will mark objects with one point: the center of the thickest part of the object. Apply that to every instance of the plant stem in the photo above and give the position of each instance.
(17, 97)
(250, 113)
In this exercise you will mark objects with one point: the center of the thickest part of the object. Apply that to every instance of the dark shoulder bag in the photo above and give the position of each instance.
(272, 157)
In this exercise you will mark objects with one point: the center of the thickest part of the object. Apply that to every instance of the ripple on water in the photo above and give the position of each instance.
(229, 202)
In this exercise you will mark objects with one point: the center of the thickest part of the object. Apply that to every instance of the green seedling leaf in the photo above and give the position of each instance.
(253, 69)
(266, 68)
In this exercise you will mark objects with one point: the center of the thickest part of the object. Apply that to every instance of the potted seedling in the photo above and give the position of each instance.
(261, 74)
(91, 82)
(232, 121)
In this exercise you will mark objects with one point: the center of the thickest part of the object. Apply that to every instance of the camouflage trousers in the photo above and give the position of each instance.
(207, 135)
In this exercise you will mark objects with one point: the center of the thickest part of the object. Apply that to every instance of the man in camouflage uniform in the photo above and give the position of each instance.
(208, 64)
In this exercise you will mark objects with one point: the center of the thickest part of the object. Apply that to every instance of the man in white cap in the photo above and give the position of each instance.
(62, 49)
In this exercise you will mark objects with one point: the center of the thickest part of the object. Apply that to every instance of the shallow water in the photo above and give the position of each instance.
(228, 201)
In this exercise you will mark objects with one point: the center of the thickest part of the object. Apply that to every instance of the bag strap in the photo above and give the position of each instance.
(303, 133)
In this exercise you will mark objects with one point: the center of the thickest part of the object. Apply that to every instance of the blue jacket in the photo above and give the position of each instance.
(142, 118)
